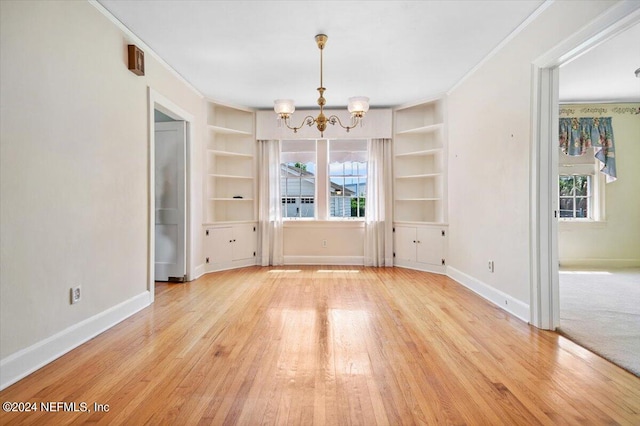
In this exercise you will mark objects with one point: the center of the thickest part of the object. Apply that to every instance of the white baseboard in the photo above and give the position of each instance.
(26, 361)
(434, 269)
(324, 260)
(234, 264)
(498, 298)
(600, 263)
(198, 272)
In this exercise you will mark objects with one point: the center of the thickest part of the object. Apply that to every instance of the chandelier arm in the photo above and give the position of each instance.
(308, 120)
(333, 119)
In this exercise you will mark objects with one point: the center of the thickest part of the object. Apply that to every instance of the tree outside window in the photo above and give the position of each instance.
(575, 197)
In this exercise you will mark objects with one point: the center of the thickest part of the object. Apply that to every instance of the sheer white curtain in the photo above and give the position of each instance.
(269, 204)
(378, 236)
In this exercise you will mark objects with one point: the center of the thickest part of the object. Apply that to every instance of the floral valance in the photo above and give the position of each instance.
(578, 134)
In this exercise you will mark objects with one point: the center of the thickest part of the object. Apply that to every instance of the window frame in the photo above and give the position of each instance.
(357, 218)
(322, 196)
(286, 199)
(574, 197)
(596, 199)
(583, 165)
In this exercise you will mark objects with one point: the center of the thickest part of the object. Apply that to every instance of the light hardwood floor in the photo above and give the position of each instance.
(328, 345)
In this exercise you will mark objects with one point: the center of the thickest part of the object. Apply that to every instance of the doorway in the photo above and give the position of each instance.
(599, 229)
(545, 309)
(170, 200)
(173, 228)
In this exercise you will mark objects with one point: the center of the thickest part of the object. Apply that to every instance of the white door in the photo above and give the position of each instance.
(405, 244)
(244, 242)
(430, 247)
(170, 196)
(219, 244)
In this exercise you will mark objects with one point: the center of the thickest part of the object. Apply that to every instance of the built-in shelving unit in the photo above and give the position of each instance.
(419, 163)
(420, 206)
(230, 226)
(230, 165)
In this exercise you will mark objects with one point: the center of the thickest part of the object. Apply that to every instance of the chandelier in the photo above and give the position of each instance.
(358, 105)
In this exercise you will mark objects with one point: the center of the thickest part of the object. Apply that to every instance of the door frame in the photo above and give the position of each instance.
(164, 105)
(543, 252)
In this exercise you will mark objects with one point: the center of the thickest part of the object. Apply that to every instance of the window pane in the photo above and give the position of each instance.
(582, 207)
(347, 178)
(357, 207)
(566, 207)
(298, 180)
(566, 185)
(575, 196)
(582, 185)
(336, 169)
(339, 207)
(307, 207)
(336, 186)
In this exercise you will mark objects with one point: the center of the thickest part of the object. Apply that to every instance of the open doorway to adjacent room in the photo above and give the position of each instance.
(170, 135)
(599, 217)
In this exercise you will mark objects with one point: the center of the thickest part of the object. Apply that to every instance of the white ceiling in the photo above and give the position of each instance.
(252, 52)
(605, 73)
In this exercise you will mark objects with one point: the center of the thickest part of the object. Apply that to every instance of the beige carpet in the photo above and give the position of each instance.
(600, 310)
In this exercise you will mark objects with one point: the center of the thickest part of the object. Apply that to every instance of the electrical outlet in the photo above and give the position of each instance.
(324, 243)
(75, 295)
(491, 266)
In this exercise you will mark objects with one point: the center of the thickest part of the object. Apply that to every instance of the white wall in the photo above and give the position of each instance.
(616, 240)
(303, 242)
(489, 119)
(74, 172)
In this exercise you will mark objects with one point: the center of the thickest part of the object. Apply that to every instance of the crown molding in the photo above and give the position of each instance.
(138, 42)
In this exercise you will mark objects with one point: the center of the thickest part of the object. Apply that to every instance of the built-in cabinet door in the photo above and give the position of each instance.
(429, 246)
(230, 246)
(219, 243)
(420, 247)
(405, 246)
(244, 242)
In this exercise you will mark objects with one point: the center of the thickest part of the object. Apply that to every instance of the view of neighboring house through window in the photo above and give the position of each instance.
(575, 196)
(341, 166)
(347, 178)
(298, 178)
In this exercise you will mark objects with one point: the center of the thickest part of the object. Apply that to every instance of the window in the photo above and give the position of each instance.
(323, 179)
(580, 188)
(298, 178)
(347, 178)
(576, 200)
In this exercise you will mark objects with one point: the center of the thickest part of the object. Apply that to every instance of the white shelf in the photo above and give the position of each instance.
(419, 199)
(229, 176)
(229, 131)
(231, 199)
(409, 222)
(423, 129)
(425, 175)
(422, 153)
(229, 153)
